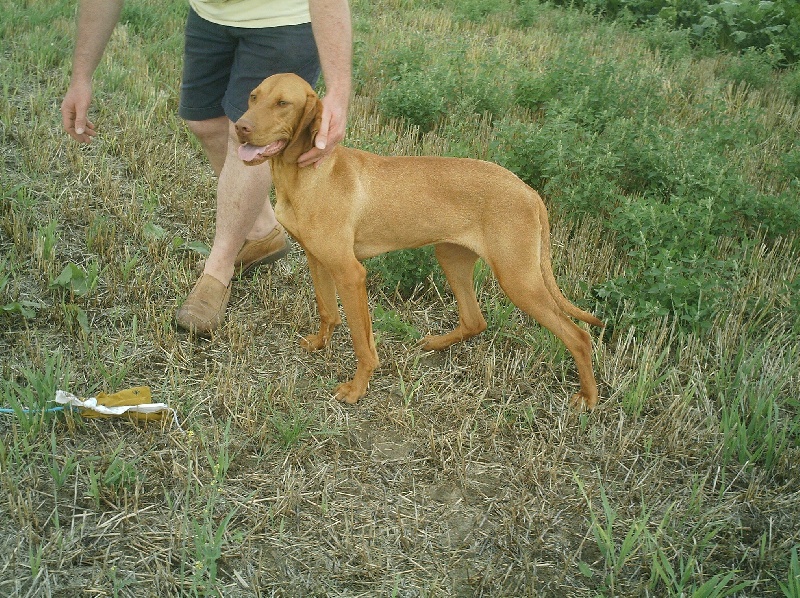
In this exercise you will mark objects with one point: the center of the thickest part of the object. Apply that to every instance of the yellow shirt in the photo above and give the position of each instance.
(253, 13)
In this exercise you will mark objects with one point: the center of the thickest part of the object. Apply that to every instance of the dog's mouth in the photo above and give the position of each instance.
(255, 154)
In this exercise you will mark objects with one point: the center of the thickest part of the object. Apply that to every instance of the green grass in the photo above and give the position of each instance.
(672, 176)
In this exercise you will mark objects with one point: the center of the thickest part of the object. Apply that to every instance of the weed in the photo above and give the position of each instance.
(75, 318)
(500, 315)
(221, 462)
(415, 98)
(60, 473)
(406, 271)
(389, 321)
(477, 10)
(791, 83)
(208, 541)
(753, 68)
(791, 589)
(77, 280)
(618, 556)
(292, 427)
(25, 308)
(719, 23)
(651, 373)
(750, 395)
(31, 395)
(46, 243)
(113, 479)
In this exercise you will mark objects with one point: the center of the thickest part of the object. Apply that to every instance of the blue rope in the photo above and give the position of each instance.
(27, 411)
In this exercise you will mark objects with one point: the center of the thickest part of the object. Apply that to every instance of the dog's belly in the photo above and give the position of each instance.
(374, 240)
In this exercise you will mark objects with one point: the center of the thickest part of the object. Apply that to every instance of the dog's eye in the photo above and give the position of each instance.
(253, 97)
(283, 103)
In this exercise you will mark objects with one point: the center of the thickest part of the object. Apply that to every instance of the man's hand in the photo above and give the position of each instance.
(96, 22)
(74, 110)
(331, 131)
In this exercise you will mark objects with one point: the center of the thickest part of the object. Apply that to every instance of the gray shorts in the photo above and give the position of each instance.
(222, 65)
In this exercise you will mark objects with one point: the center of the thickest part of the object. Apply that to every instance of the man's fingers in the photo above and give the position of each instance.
(74, 112)
(313, 156)
(321, 140)
(88, 131)
(82, 132)
(67, 118)
(80, 125)
(331, 132)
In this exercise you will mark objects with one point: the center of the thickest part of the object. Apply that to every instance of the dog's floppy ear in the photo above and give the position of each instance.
(303, 136)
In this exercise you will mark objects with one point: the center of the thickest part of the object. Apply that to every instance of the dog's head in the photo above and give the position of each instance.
(283, 116)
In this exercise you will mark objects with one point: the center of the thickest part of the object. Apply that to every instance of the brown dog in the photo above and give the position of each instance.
(357, 205)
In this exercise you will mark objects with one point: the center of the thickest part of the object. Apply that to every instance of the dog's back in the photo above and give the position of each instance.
(411, 201)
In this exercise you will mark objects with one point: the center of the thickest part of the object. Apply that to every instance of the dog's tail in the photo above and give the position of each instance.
(550, 279)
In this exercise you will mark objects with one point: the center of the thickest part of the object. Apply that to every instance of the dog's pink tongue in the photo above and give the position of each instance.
(248, 153)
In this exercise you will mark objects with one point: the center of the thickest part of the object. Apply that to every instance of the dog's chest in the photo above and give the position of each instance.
(287, 217)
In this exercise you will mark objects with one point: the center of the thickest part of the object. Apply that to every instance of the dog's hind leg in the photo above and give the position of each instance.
(521, 279)
(458, 263)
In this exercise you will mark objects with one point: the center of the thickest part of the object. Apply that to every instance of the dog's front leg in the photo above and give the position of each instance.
(351, 282)
(328, 308)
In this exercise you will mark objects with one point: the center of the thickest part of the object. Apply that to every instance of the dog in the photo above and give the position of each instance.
(356, 205)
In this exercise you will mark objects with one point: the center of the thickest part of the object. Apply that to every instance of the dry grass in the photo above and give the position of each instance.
(460, 474)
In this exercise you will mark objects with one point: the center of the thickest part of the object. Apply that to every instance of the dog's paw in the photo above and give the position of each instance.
(435, 342)
(313, 342)
(582, 401)
(349, 392)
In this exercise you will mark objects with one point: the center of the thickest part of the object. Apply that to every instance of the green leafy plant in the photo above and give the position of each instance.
(25, 308)
(750, 390)
(390, 322)
(618, 556)
(417, 98)
(406, 271)
(291, 427)
(731, 25)
(477, 10)
(77, 280)
(46, 240)
(113, 478)
(208, 550)
(59, 472)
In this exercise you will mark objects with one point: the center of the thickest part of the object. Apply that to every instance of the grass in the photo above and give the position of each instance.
(462, 474)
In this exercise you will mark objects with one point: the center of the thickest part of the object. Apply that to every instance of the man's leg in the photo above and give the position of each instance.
(221, 67)
(213, 136)
(243, 212)
(243, 207)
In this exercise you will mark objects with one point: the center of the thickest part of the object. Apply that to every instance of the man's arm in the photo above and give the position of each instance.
(96, 22)
(330, 21)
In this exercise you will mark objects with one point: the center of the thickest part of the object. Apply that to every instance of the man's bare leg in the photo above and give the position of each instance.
(243, 211)
(243, 207)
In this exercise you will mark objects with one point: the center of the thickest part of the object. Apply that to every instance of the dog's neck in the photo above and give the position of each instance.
(296, 148)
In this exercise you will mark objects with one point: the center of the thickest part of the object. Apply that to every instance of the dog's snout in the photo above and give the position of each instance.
(244, 127)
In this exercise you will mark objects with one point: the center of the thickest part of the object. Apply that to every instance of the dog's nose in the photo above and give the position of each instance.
(244, 127)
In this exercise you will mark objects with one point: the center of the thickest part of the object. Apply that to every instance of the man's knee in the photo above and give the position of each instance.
(213, 135)
(211, 130)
